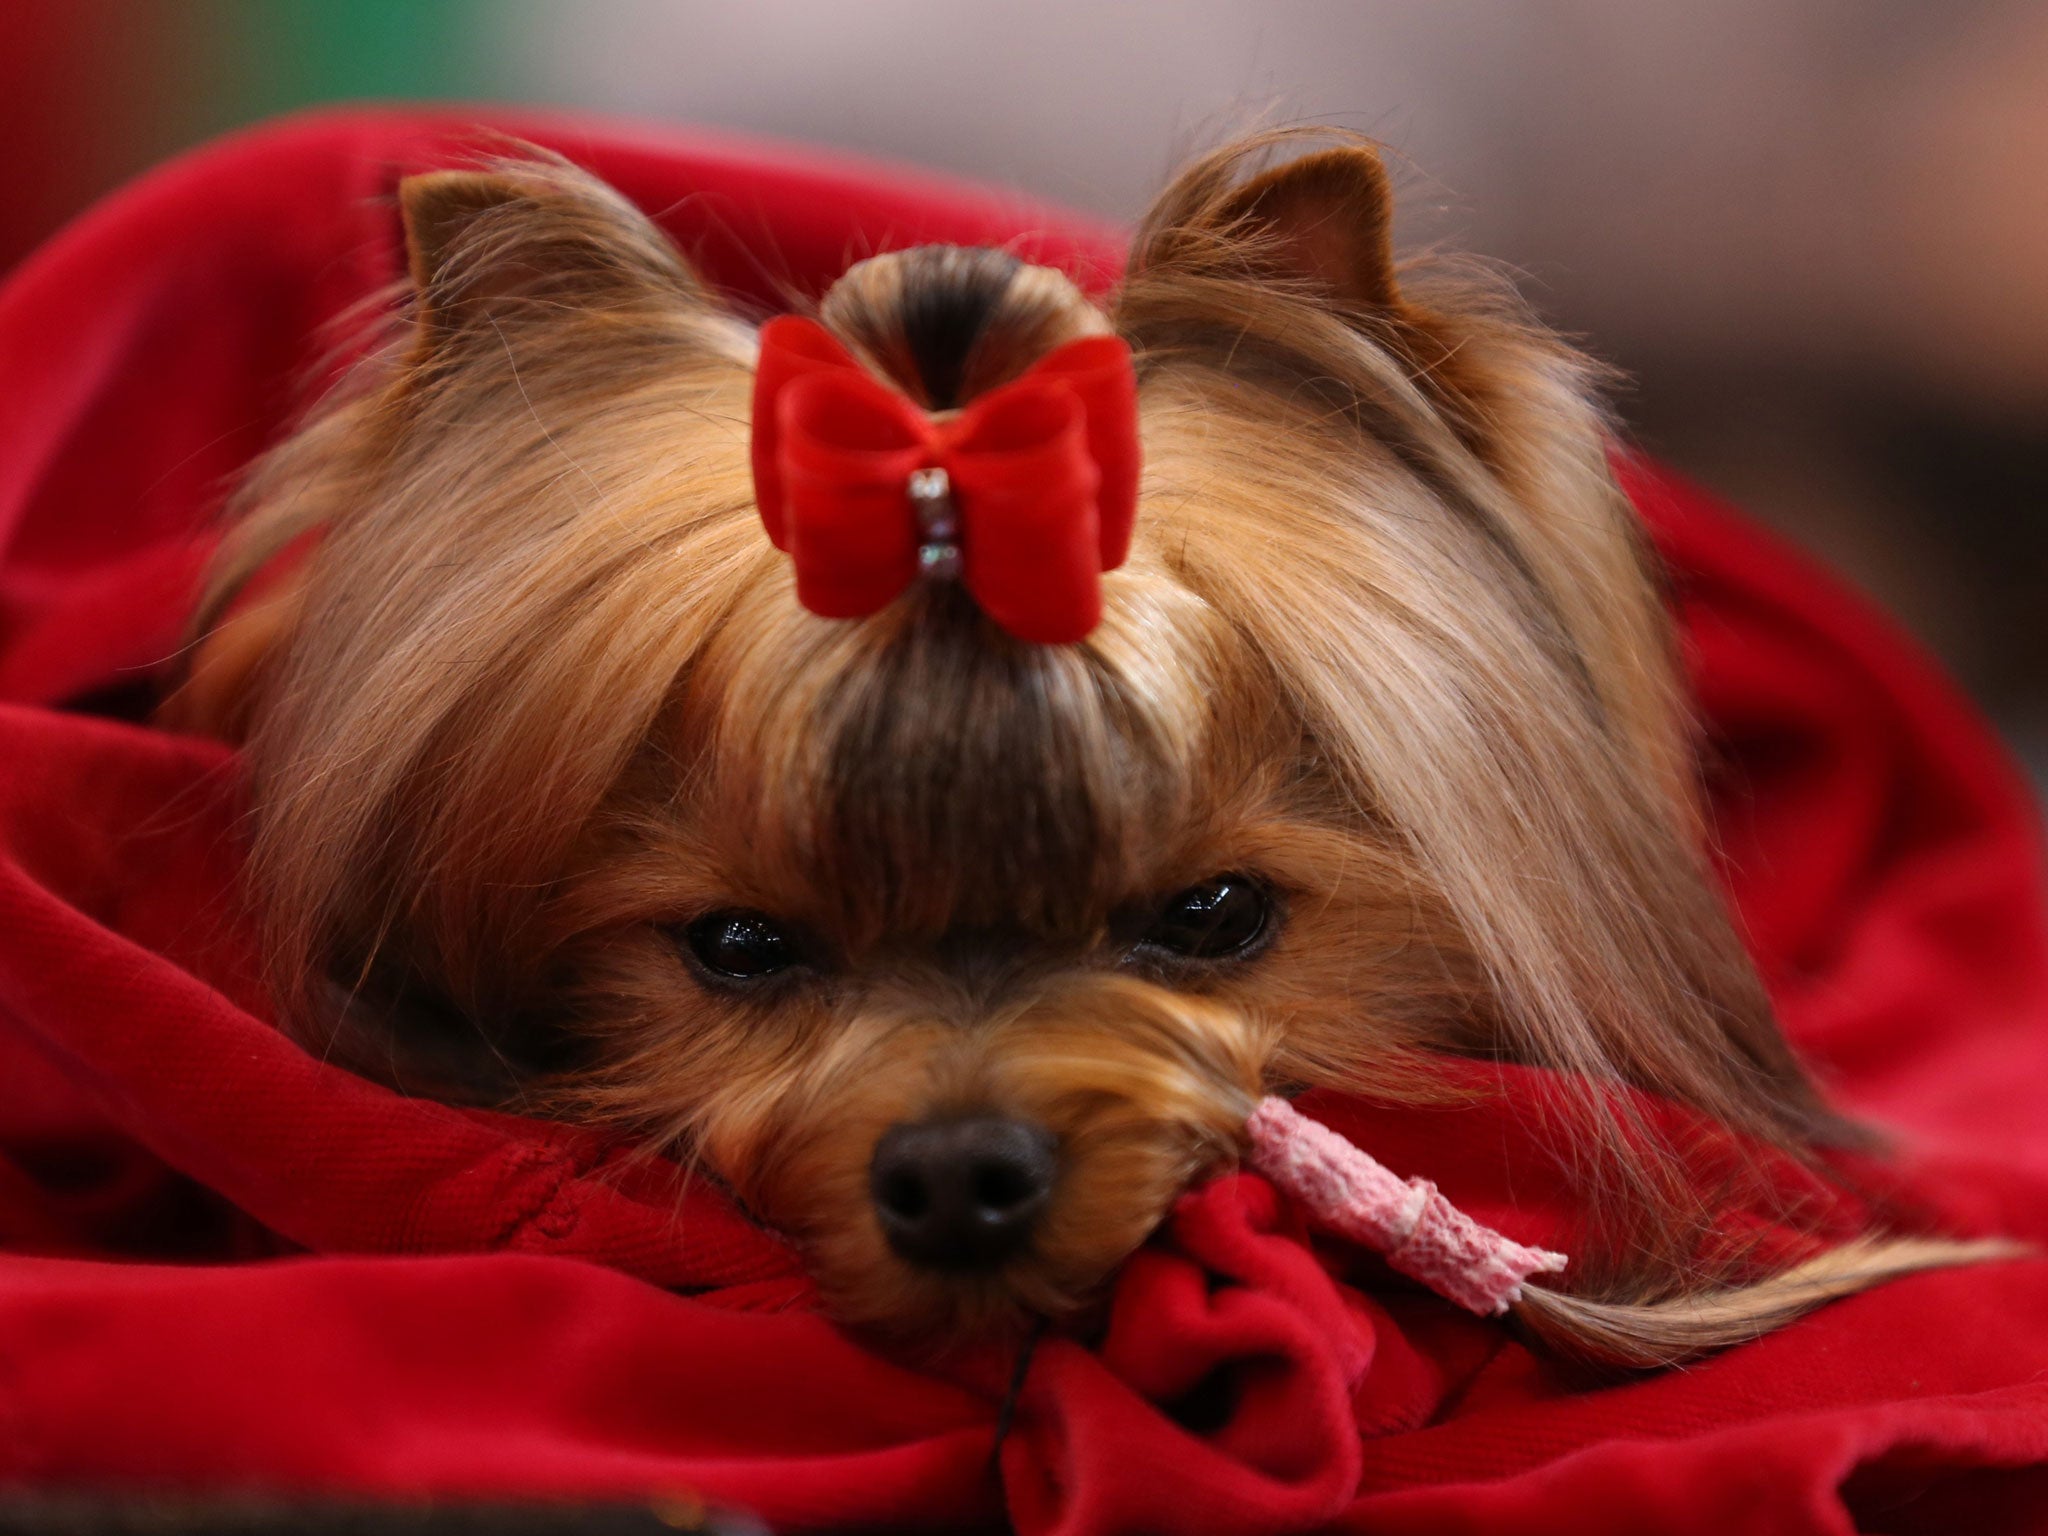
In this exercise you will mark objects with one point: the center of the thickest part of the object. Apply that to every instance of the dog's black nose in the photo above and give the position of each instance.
(961, 1194)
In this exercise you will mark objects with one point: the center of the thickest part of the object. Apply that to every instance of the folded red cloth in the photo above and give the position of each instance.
(226, 1262)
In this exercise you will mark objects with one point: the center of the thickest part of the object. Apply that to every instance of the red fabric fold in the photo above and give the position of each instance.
(223, 1262)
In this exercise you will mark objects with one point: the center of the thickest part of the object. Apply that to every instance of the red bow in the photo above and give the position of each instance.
(1042, 475)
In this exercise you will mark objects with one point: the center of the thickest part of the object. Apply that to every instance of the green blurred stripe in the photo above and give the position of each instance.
(256, 58)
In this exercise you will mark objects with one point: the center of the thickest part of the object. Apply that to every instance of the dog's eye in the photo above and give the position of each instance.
(742, 946)
(1214, 920)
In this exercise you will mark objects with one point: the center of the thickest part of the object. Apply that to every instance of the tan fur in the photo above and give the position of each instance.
(1387, 639)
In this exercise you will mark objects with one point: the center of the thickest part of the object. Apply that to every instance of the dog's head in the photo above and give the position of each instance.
(958, 956)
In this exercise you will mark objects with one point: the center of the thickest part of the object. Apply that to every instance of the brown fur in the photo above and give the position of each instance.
(1387, 638)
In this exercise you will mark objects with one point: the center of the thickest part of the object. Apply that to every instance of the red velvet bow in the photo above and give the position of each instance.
(1043, 475)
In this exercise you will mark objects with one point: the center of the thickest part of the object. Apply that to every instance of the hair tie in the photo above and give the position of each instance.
(1419, 1232)
(1025, 497)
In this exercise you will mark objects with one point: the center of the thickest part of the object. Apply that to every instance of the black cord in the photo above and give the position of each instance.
(1008, 1415)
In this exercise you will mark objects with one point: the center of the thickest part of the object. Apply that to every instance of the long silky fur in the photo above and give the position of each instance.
(1389, 634)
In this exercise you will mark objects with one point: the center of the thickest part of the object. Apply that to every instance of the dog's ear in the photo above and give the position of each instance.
(523, 238)
(1321, 223)
(491, 253)
(1326, 220)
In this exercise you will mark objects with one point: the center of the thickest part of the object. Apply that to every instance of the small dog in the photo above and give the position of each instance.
(957, 951)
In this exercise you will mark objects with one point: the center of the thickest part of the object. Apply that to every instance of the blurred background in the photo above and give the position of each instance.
(1814, 233)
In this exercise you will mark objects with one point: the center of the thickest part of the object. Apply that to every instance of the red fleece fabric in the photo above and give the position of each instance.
(226, 1264)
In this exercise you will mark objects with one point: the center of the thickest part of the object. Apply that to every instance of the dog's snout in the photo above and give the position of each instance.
(961, 1194)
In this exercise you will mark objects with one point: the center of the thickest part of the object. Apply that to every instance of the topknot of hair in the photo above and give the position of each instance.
(946, 323)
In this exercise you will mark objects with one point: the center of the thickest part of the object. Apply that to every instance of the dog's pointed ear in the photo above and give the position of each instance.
(1321, 222)
(1325, 219)
(484, 245)
(438, 207)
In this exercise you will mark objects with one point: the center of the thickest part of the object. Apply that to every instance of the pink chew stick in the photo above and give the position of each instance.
(1421, 1233)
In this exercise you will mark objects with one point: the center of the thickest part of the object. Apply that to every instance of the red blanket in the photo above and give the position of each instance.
(225, 1263)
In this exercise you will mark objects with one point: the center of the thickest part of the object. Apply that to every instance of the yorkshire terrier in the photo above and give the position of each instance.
(953, 879)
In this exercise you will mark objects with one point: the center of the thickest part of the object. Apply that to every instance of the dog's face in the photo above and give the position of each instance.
(964, 993)
(959, 957)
